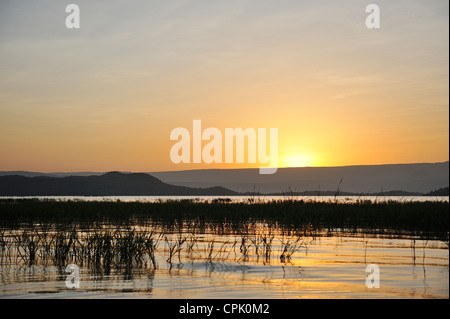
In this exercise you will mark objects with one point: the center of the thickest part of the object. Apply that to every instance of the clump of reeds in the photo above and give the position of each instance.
(126, 235)
(174, 247)
(426, 219)
(289, 246)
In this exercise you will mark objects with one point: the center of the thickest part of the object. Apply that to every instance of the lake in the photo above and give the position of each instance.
(153, 259)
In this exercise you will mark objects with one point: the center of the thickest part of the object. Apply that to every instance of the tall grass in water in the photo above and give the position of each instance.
(27, 246)
(96, 248)
(425, 219)
(105, 235)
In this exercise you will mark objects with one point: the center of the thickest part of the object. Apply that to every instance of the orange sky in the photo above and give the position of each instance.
(106, 96)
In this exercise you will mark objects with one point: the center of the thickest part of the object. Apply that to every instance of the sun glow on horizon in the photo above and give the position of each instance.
(106, 96)
(297, 160)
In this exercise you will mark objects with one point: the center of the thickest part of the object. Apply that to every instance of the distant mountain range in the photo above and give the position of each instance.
(413, 178)
(393, 179)
(109, 184)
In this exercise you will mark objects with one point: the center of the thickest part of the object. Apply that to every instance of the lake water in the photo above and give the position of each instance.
(209, 265)
(146, 260)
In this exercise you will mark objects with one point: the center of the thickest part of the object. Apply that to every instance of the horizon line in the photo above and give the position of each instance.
(220, 169)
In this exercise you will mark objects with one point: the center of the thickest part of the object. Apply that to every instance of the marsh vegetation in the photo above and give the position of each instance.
(116, 238)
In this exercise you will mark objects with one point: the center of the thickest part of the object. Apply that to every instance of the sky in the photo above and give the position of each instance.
(106, 96)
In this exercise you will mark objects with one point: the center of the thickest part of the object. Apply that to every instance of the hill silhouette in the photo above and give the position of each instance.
(439, 192)
(109, 184)
(415, 178)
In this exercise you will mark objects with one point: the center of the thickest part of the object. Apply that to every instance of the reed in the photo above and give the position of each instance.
(426, 219)
(122, 236)
(289, 246)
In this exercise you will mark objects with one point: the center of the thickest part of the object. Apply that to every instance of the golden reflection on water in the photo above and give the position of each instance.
(261, 263)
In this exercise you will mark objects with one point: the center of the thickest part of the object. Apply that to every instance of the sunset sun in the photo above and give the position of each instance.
(297, 160)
